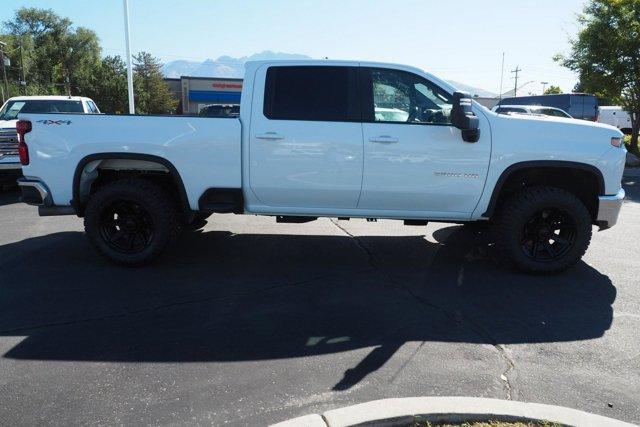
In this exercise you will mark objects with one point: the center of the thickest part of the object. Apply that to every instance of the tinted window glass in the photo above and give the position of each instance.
(505, 110)
(93, 108)
(311, 93)
(13, 108)
(590, 108)
(402, 97)
(552, 112)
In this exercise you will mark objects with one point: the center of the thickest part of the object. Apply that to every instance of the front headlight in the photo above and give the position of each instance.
(616, 141)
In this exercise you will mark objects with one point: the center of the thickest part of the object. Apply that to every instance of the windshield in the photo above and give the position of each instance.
(11, 109)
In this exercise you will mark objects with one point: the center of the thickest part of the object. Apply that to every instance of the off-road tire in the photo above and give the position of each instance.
(518, 210)
(159, 208)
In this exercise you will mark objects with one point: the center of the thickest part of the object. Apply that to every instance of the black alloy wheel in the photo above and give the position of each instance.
(131, 221)
(548, 235)
(126, 227)
(543, 230)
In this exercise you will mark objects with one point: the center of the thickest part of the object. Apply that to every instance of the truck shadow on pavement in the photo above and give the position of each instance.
(9, 196)
(219, 296)
(632, 187)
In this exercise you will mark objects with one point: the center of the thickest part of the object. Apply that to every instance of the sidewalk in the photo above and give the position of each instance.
(456, 410)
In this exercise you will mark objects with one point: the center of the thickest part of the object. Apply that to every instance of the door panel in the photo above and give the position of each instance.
(413, 159)
(306, 138)
(429, 168)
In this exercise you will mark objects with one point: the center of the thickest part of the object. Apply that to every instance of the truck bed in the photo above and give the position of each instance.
(204, 151)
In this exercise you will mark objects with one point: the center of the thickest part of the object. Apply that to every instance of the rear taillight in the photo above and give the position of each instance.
(616, 142)
(23, 127)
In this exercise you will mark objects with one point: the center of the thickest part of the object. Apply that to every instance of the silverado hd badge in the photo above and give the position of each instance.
(457, 175)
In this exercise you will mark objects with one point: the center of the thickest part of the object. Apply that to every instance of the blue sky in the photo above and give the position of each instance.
(459, 40)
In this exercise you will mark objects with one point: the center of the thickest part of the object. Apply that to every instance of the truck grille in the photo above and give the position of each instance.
(8, 142)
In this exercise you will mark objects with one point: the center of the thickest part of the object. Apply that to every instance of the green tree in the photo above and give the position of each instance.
(108, 86)
(606, 55)
(57, 57)
(152, 94)
(553, 90)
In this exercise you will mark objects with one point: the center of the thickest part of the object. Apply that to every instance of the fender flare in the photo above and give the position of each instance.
(173, 172)
(504, 176)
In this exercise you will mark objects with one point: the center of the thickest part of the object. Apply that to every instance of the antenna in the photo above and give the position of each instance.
(501, 79)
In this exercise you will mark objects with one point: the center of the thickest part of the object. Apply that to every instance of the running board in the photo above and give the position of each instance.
(295, 219)
(415, 222)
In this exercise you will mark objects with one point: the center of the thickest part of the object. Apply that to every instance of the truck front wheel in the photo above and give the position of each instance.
(130, 221)
(543, 230)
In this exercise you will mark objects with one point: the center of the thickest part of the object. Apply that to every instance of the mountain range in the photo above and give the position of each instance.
(230, 67)
(224, 66)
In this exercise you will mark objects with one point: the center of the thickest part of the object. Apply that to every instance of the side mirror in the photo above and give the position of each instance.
(463, 118)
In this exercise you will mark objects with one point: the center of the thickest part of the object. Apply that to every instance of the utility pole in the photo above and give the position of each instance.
(4, 71)
(516, 71)
(67, 86)
(544, 86)
(23, 79)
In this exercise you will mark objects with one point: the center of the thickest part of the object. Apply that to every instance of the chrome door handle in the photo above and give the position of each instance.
(383, 138)
(270, 136)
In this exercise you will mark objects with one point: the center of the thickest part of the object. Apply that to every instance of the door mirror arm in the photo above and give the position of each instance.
(463, 117)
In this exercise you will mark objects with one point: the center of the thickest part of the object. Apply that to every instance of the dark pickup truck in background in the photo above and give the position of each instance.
(578, 105)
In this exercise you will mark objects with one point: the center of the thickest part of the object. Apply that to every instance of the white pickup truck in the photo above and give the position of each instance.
(10, 166)
(330, 139)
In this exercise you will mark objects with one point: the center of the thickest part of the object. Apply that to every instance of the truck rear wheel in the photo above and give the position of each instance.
(130, 221)
(543, 230)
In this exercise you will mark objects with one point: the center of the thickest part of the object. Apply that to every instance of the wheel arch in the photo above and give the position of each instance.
(551, 168)
(78, 201)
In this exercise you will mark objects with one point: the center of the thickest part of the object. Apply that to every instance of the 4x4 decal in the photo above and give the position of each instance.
(54, 122)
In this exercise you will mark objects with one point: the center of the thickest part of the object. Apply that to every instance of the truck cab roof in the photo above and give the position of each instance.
(252, 66)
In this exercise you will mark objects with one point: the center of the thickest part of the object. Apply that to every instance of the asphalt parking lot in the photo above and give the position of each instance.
(250, 322)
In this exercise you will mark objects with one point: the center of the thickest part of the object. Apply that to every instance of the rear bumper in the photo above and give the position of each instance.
(609, 209)
(36, 193)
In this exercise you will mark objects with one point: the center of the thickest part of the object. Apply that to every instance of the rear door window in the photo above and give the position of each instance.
(313, 93)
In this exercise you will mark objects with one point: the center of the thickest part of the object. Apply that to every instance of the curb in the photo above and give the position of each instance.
(449, 409)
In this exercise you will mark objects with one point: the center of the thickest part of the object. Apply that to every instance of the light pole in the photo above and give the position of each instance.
(132, 107)
(544, 86)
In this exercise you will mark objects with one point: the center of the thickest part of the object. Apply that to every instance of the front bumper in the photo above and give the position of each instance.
(609, 209)
(10, 163)
(9, 172)
(10, 167)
